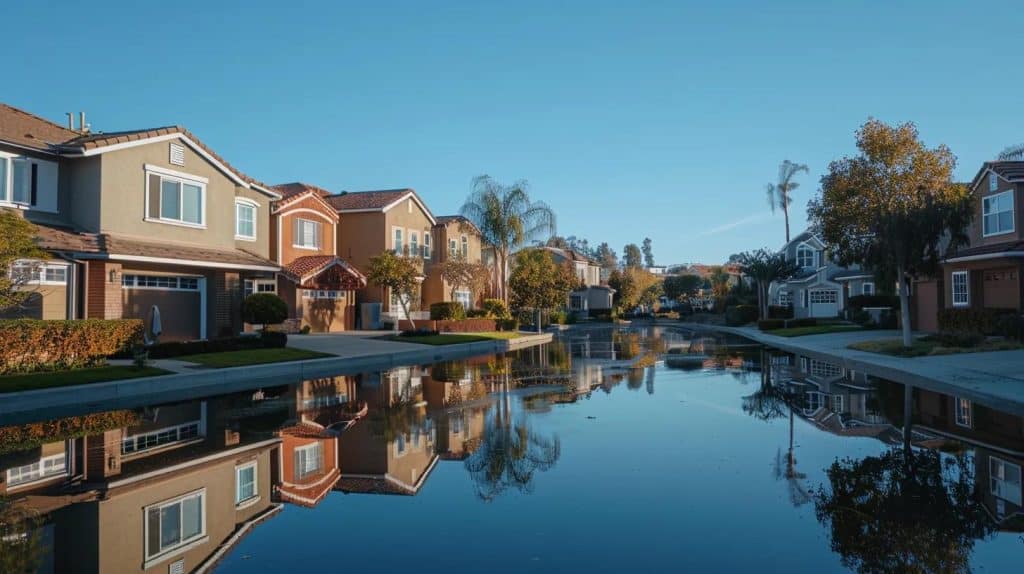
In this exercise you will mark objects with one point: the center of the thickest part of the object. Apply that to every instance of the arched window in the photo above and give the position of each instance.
(805, 256)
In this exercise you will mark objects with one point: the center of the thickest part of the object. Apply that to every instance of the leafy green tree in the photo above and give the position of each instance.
(780, 194)
(507, 219)
(461, 274)
(397, 274)
(633, 286)
(679, 287)
(889, 207)
(537, 282)
(18, 243)
(264, 309)
(765, 267)
(606, 256)
(648, 252)
(631, 255)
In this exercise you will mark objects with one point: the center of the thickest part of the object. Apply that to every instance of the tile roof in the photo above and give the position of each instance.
(293, 198)
(1009, 170)
(464, 221)
(102, 245)
(371, 485)
(303, 267)
(353, 200)
(994, 249)
(296, 187)
(29, 130)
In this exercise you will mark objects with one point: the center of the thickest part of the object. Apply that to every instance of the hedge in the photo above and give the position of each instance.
(447, 311)
(740, 315)
(461, 326)
(803, 322)
(983, 320)
(22, 437)
(780, 312)
(771, 324)
(38, 345)
(264, 309)
(265, 340)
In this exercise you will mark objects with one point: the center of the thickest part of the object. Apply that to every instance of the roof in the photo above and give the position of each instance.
(308, 266)
(1009, 170)
(989, 251)
(296, 187)
(293, 198)
(367, 200)
(371, 485)
(116, 247)
(851, 274)
(570, 254)
(31, 131)
(448, 219)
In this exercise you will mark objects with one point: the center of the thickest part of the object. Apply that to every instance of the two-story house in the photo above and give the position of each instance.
(821, 287)
(135, 219)
(373, 222)
(318, 286)
(986, 273)
(456, 237)
(591, 295)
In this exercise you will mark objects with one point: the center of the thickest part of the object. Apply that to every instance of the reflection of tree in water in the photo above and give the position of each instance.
(21, 545)
(509, 453)
(902, 511)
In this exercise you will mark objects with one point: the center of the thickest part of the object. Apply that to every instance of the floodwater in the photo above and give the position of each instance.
(643, 449)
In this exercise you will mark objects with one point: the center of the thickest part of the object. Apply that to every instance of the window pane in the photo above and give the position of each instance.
(153, 523)
(192, 203)
(1005, 221)
(245, 224)
(170, 525)
(170, 200)
(191, 517)
(3, 178)
(22, 192)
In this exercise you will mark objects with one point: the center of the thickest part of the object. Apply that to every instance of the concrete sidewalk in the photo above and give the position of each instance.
(994, 379)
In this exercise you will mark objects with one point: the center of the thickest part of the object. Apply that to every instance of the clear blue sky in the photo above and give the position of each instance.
(660, 119)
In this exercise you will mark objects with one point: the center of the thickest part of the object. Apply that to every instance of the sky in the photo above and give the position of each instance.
(630, 119)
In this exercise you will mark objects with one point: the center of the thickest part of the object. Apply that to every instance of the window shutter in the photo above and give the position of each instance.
(154, 196)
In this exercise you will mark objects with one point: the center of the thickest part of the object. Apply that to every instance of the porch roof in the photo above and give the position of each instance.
(324, 272)
(982, 252)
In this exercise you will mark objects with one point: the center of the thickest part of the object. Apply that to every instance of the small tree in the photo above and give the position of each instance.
(888, 207)
(648, 252)
(631, 255)
(537, 282)
(18, 243)
(264, 309)
(633, 286)
(719, 279)
(461, 274)
(398, 274)
(766, 267)
(679, 287)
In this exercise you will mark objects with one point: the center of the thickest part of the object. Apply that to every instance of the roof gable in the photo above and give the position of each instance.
(299, 198)
(380, 201)
(1011, 171)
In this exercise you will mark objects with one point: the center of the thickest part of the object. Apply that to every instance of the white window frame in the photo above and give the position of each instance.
(181, 179)
(1012, 210)
(34, 472)
(966, 300)
(465, 297)
(464, 242)
(320, 459)
(176, 429)
(322, 294)
(818, 296)
(993, 182)
(131, 281)
(255, 497)
(964, 412)
(243, 203)
(805, 247)
(182, 545)
(997, 478)
(398, 240)
(453, 248)
(37, 271)
(252, 286)
(864, 288)
(298, 236)
(414, 243)
(785, 298)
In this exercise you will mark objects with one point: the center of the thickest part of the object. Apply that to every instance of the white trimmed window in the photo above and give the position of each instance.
(46, 467)
(308, 459)
(453, 247)
(820, 296)
(251, 286)
(164, 282)
(174, 524)
(414, 243)
(322, 294)
(464, 297)
(964, 412)
(785, 298)
(465, 247)
(868, 288)
(804, 256)
(245, 483)
(160, 437)
(397, 242)
(307, 234)
(245, 219)
(997, 214)
(993, 182)
(175, 198)
(26, 271)
(1005, 480)
(824, 369)
(961, 289)
(426, 245)
(28, 182)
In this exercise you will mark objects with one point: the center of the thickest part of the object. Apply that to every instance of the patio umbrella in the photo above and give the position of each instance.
(155, 326)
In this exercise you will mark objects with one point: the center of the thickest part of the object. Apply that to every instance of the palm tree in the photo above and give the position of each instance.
(765, 267)
(507, 219)
(780, 194)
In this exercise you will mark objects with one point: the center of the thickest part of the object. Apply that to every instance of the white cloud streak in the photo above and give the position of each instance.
(734, 224)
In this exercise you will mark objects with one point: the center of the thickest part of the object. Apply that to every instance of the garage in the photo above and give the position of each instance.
(823, 303)
(179, 299)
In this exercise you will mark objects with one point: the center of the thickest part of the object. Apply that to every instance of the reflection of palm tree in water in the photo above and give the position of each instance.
(509, 452)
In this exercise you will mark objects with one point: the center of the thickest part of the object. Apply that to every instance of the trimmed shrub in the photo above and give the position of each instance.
(961, 339)
(36, 345)
(264, 309)
(1011, 326)
(876, 300)
(771, 324)
(418, 333)
(476, 314)
(558, 318)
(508, 325)
(972, 320)
(780, 312)
(447, 311)
(740, 315)
(265, 340)
(496, 308)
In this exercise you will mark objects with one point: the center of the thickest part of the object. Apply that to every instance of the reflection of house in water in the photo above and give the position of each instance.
(166, 492)
(838, 400)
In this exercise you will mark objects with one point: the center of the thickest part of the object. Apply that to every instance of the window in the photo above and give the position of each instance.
(245, 220)
(964, 410)
(961, 291)
(166, 282)
(576, 302)
(28, 181)
(39, 273)
(824, 369)
(805, 256)
(45, 467)
(322, 294)
(426, 245)
(307, 234)
(251, 286)
(308, 459)
(785, 298)
(465, 247)
(868, 288)
(453, 247)
(397, 243)
(175, 199)
(993, 182)
(824, 296)
(174, 524)
(463, 297)
(245, 483)
(414, 243)
(997, 214)
(160, 437)
(1005, 480)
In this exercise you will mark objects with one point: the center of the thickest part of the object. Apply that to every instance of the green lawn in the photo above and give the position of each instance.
(35, 381)
(815, 330)
(251, 357)
(452, 339)
(929, 347)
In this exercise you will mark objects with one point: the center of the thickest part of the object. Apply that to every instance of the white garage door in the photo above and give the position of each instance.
(824, 303)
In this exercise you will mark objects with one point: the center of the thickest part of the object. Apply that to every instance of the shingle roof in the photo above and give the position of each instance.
(29, 130)
(1009, 170)
(296, 187)
(367, 199)
(102, 245)
(464, 221)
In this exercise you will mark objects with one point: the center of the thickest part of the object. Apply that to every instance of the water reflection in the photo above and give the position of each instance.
(179, 485)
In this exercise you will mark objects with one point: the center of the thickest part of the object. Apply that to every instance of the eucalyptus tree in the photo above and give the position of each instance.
(507, 219)
(780, 193)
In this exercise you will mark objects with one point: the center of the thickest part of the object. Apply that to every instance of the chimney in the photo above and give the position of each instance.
(82, 126)
(71, 120)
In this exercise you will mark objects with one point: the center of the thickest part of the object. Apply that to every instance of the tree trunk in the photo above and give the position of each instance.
(908, 338)
(405, 307)
(785, 212)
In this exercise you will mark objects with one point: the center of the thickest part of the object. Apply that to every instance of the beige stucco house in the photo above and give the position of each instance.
(455, 237)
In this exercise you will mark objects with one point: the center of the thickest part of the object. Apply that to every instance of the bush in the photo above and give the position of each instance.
(961, 339)
(984, 321)
(496, 308)
(477, 314)
(36, 345)
(1011, 326)
(771, 324)
(862, 301)
(447, 311)
(605, 315)
(508, 324)
(780, 312)
(558, 318)
(305, 329)
(264, 309)
(740, 315)
(265, 340)
(804, 322)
